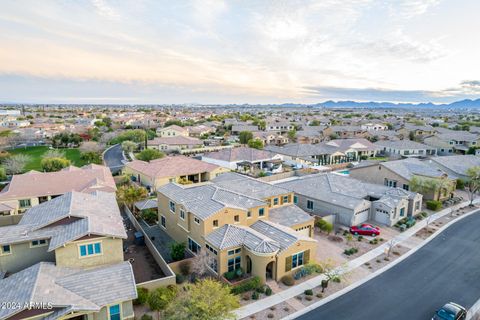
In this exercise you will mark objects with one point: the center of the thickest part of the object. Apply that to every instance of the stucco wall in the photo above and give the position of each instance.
(23, 256)
(69, 255)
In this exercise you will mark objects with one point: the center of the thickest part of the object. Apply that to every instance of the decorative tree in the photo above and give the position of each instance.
(473, 184)
(161, 298)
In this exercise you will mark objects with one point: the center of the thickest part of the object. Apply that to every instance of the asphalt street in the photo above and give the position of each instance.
(113, 158)
(446, 269)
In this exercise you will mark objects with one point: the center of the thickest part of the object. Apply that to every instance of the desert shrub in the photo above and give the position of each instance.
(185, 267)
(309, 298)
(255, 295)
(179, 279)
(308, 292)
(270, 316)
(250, 284)
(434, 205)
(319, 295)
(460, 184)
(350, 251)
(424, 214)
(177, 251)
(261, 289)
(288, 280)
(312, 268)
(286, 309)
(246, 297)
(142, 296)
(268, 291)
(336, 279)
(146, 317)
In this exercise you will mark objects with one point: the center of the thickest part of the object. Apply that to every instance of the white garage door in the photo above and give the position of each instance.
(361, 217)
(382, 218)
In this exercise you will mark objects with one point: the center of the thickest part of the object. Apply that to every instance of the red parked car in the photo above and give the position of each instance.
(365, 230)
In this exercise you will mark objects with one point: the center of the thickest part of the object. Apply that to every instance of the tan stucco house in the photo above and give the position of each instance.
(241, 222)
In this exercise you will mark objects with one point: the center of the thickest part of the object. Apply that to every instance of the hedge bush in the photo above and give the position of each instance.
(308, 292)
(434, 205)
(146, 317)
(142, 296)
(268, 291)
(288, 280)
(185, 267)
(255, 295)
(247, 285)
(424, 214)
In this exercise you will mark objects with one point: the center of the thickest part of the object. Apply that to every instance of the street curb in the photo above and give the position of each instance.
(380, 271)
(103, 154)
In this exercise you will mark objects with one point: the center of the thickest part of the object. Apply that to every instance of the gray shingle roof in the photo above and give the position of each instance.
(402, 144)
(240, 154)
(458, 164)
(68, 289)
(81, 214)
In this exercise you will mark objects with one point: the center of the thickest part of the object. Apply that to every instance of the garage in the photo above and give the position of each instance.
(382, 216)
(304, 231)
(361, 217)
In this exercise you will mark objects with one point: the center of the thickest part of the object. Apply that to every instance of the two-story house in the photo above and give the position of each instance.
(67, 255)
(241, 222)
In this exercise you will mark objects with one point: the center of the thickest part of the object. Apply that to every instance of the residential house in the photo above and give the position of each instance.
(374, 127)
(332, 152)
(32, 188)
(451, 142)
(405, 148)
(179, 169)
(400, 173)
(240, 127)
(231, 219)
(174, 143)
(456, 166)
(279, 126)
(351, 202)
(172, 131)
(344, 132)
(245, 159)
(417, 131)
(67, 253)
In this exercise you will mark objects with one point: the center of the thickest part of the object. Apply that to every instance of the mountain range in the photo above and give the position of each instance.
(461, 104)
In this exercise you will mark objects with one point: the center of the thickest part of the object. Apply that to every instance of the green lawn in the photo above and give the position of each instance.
(36, 153)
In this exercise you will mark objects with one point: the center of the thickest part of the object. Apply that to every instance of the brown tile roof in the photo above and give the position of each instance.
(171, 166)
(87, 179)
(178, 140)
(240, 154)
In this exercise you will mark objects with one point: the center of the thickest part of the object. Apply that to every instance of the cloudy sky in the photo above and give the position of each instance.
(112, 51)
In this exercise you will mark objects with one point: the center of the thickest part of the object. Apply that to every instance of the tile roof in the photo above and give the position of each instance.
(87, 179)
(402, 144)
(330, 147)
(248, 186)
(206, 200)
(177, 140)
(459, 164)
(407, 168)
(80, 214)
(240, 154)
(339, 190)
(68, 289)
(288, 215)
(171, 167)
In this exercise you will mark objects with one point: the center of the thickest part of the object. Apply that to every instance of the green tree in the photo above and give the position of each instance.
(150, 154)
(128, 195)
(314, 123)
(432, 186)
(245, 136)
(136, 135)
(177, 250)
(91, 157)
(292, 134)
(207, 299)
(473, 184)
(159, 299)
(255, 143)
(54, 164)
(129, 146)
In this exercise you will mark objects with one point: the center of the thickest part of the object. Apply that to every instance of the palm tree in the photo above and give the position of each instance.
(128, 195)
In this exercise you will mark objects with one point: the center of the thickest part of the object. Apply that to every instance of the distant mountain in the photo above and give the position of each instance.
(462, 104)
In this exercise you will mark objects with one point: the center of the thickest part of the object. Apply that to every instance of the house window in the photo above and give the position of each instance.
(231, 252)
(24, 203)
(234, 263)
(238, 250)
(309, 204)
(38, 243)
(5, 249)
(197, 221)
(297, 260)
(285, 199)
(114, 312)
(215, 223)
(405, 187)
(261, 212)
(295, 199)
(249, 214)
(163, 221)
(275, 201)
(236, 218)
(417, 205)
(90, 249)
(193, 246)
(182, 214)
(172, 206)
(402, 212)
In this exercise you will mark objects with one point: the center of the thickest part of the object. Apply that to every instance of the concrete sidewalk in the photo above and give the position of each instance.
(291, 292)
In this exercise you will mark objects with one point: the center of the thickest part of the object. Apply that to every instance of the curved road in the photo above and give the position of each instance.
(446, 269)
(113, 158)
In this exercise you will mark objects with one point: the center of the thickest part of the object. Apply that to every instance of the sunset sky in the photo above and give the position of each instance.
(255, 51)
